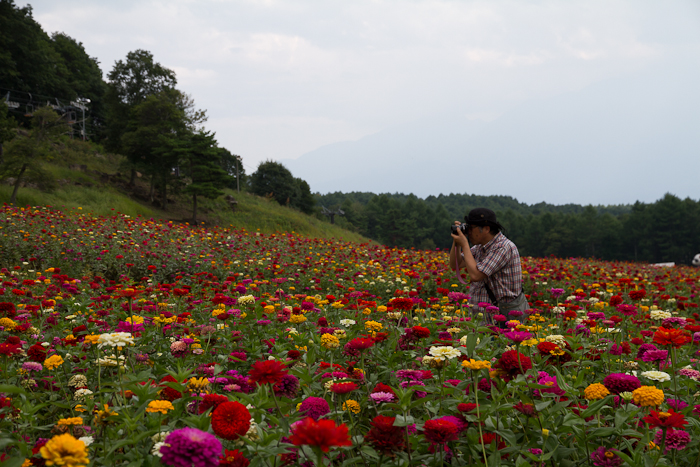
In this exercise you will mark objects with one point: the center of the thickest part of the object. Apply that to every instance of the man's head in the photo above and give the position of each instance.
(483, 226)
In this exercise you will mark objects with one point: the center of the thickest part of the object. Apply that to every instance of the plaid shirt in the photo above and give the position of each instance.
(500, 261)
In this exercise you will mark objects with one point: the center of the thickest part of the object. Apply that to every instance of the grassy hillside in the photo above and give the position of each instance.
(88, 179)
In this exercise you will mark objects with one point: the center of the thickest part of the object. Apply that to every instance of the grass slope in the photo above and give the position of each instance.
(79, 181)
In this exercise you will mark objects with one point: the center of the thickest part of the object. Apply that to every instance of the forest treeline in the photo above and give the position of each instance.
(663, 231)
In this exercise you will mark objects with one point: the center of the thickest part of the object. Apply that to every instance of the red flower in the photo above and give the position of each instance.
(7, 309)
(669, 419)
(230, 420)
(525, 409)
(420, 332)
(511, 363)
(167, 392)
(267, 371)
(466, 407)
(8, 350)
(211, 400)
(323, 434)
(180, 292)
(638, 294)
(294, 354)
(343, 388)
(233, 459)
(385, 437)
(615, 300)
(361, 343)
(440, 431)
(381, 387)
(674, 337)
(401, 303)
(37, 353)
(129, 293)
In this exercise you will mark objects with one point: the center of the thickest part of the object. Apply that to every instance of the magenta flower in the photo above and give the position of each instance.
(190, 447)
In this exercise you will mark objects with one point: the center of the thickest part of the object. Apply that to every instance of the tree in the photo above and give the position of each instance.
(233, 165)
(28, 61)
(304, 200)
(25, 153)
(203, 166)
(7, 126)
(157, 133)
(83, 77)
(131, 82)
(274, 180)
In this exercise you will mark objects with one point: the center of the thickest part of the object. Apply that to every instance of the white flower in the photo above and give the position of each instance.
(115, 339)
(87, 440)
(558, 310)
(111, 360)
(656, 375)
(444, 351)
(81, 394)
(160, 437)
(156, 448)
(659, 314)
(245, 299)
(556, 339)
(77, 381)
(347, 322)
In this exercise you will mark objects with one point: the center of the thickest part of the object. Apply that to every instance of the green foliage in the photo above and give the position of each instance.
(203, 166)
(233, 165)
(131, 82)
(275, 181)
(24, 155)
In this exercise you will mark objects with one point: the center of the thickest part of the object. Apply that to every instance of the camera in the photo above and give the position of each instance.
(463, 227)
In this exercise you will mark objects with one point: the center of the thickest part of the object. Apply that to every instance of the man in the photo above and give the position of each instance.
(493, 263)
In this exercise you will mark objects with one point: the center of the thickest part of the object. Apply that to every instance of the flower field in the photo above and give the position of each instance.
(128, 341)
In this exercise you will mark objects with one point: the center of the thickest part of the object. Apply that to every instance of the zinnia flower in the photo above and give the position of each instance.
(385, 437)
(190, 447)
(472, 364)
(595, 391)
(621, 382)
(511, 363)
(647, 396)
(440, 431)
(314, 407)
(673, 337)
(656, 376)
(267, 371)
(675, 439)
(233, 458)
(65, 450)
(343, 387)
(230, 420)
(602, 457)
(323, 434)
(159, 407)
(665, 419)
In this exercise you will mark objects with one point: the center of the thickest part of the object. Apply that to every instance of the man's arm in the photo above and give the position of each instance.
(467, 262)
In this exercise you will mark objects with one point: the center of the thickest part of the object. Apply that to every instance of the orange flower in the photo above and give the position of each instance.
(674, 337)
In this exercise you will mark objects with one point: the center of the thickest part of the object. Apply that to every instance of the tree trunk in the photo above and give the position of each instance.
(13, 198)
(133, 177)
(165, 194)
(194, 209)
(153, 184)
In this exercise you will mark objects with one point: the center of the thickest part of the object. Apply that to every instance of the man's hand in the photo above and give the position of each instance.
(459, 237)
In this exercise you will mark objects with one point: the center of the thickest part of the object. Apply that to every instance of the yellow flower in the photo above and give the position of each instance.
(8, 324)
(329, 341)
(296, 319)
(70, 421)
(80, 408)
(476, 364)
(197, 384)
(337, 305)
(159, 406)
(373, 326)
(595, 391)
(269, 309)
(351, 406)
(66, 451)
(556, 352)
(545, 432)
(217, 311)
(101, 416)
(136, 319)
(54, 361)
(647, 396)
(381, 308)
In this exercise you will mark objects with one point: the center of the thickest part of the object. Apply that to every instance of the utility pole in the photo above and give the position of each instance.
(238, 183)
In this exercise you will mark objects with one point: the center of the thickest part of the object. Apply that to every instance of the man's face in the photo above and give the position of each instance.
(476, 235)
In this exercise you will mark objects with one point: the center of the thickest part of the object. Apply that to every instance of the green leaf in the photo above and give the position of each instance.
(10, 389)
(404, 421)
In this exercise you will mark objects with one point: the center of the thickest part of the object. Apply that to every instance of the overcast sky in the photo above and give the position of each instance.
(282, 78)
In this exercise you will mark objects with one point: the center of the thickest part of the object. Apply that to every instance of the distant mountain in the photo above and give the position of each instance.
(616, 141)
